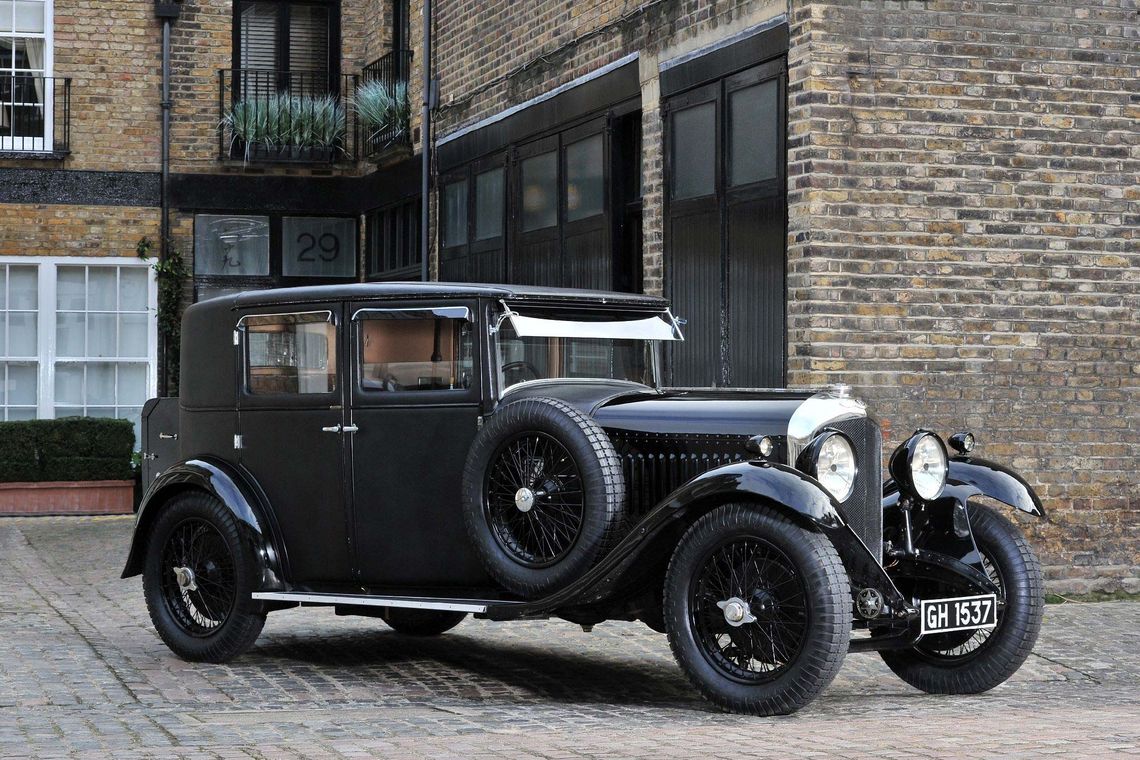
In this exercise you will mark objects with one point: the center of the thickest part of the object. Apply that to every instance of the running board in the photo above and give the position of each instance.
(362, 600)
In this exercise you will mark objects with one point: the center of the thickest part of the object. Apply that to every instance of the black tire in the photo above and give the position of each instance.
(792, 583)
(421, 622)
(568, 468)
(975, 662)
(213, 618)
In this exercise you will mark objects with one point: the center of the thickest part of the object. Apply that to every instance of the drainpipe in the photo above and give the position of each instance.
(168, 12)
(425, 143)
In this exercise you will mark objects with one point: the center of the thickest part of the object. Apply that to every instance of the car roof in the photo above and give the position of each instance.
(393, 290)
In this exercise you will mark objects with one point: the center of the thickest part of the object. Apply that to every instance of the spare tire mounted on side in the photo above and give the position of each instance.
(543, 495)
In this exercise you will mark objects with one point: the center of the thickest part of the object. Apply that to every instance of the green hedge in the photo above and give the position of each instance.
(73, 448)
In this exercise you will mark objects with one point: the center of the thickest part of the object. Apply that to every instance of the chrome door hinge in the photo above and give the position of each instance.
(237, 338)
(237, 442)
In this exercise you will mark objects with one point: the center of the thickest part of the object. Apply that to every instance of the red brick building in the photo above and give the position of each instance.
(933, 200)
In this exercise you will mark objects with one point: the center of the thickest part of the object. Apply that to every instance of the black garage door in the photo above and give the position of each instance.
(725, 229)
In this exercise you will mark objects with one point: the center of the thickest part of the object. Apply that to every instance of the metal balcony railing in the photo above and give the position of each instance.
(382, 103)
(35, 114)
(267, 115)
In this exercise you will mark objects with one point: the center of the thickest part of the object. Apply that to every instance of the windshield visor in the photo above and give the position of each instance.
(640, 326)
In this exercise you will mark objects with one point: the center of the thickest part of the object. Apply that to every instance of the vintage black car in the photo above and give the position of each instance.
(423, 451)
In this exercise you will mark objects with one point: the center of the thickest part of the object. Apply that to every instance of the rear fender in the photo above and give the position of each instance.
(225, 483)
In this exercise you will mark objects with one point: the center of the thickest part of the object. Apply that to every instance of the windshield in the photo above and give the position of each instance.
(541, 358)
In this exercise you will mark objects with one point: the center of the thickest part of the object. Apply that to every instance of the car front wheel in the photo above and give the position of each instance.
(198, 579)
(974, 661)
(757, 610)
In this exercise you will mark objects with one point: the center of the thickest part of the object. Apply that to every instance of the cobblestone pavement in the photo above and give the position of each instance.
(82, 673)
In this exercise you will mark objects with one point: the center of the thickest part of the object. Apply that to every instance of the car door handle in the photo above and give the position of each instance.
(340, 429)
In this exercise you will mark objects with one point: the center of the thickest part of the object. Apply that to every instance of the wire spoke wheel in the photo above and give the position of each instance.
(534, 499)
(198, 579)
(749, 609)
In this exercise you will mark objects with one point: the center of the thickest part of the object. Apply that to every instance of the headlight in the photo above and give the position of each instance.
(920, 465)
(830, 459)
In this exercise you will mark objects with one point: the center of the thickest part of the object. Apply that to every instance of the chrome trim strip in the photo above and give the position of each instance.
(447, 312)
(418, 603)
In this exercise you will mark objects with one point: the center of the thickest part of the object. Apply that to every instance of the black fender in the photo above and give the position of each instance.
(971, 476)
(944, 542)
(225, 483)
(655, 536)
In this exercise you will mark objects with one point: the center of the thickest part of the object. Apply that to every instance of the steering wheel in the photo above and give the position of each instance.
(522, 365)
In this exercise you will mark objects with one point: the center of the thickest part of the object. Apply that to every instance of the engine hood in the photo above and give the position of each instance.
(705, 411)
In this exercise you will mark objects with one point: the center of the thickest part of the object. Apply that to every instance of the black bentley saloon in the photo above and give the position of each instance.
(419, 452)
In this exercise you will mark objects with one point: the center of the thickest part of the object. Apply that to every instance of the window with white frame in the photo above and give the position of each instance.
(25, 75)
(19, 346)
(79, 338)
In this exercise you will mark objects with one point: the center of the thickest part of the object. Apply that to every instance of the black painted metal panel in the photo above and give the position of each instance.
(756, 292)
(695, 290)
(587, 259)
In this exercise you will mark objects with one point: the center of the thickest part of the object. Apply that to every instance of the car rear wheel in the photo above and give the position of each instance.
(412, 622)
(971, 662)
(543, 495)
(757, 610)
(198, 578)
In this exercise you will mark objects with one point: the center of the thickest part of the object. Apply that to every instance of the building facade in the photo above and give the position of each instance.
(933, 200)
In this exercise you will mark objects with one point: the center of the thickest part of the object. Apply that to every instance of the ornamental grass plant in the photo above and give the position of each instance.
(281, 122)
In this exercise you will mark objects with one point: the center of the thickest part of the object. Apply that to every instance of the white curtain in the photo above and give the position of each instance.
(35, 49)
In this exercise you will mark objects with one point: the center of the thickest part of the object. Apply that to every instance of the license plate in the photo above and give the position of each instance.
(961, 613)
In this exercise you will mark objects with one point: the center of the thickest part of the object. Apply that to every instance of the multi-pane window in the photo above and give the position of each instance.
(19, 352)
(25, 61)
(394, 241)
(77, 338)
(102, 350)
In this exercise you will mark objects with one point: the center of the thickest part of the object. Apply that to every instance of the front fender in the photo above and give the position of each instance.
(972, 476)
(223, 482)
(653, 539)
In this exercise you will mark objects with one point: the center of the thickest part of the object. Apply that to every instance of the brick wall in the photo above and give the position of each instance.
(492, 55)
(202, 45)
(58, 230)
(963, 246)
(111, 50)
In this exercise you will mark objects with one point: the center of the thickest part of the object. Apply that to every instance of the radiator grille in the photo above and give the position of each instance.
(864, 507)
(657, 463)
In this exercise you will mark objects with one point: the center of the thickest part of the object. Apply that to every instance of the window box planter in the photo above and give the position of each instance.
(68, 497)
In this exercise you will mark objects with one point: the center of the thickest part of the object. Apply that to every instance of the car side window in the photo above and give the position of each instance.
(415, 350)
(290, 354)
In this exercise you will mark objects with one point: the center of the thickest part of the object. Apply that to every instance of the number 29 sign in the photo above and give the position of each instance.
(318, 247)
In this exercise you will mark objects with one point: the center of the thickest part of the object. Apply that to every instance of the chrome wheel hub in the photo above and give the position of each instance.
(736, 611)
(186, 579)
(524, 499)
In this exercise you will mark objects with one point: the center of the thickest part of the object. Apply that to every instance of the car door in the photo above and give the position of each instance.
(415, 401)
(291, 426)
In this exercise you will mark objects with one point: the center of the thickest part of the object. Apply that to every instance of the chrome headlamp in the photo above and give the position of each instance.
(920, 465)
(830, 459)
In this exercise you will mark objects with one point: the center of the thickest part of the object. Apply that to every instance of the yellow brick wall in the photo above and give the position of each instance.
(111, 51)
(58, 230)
